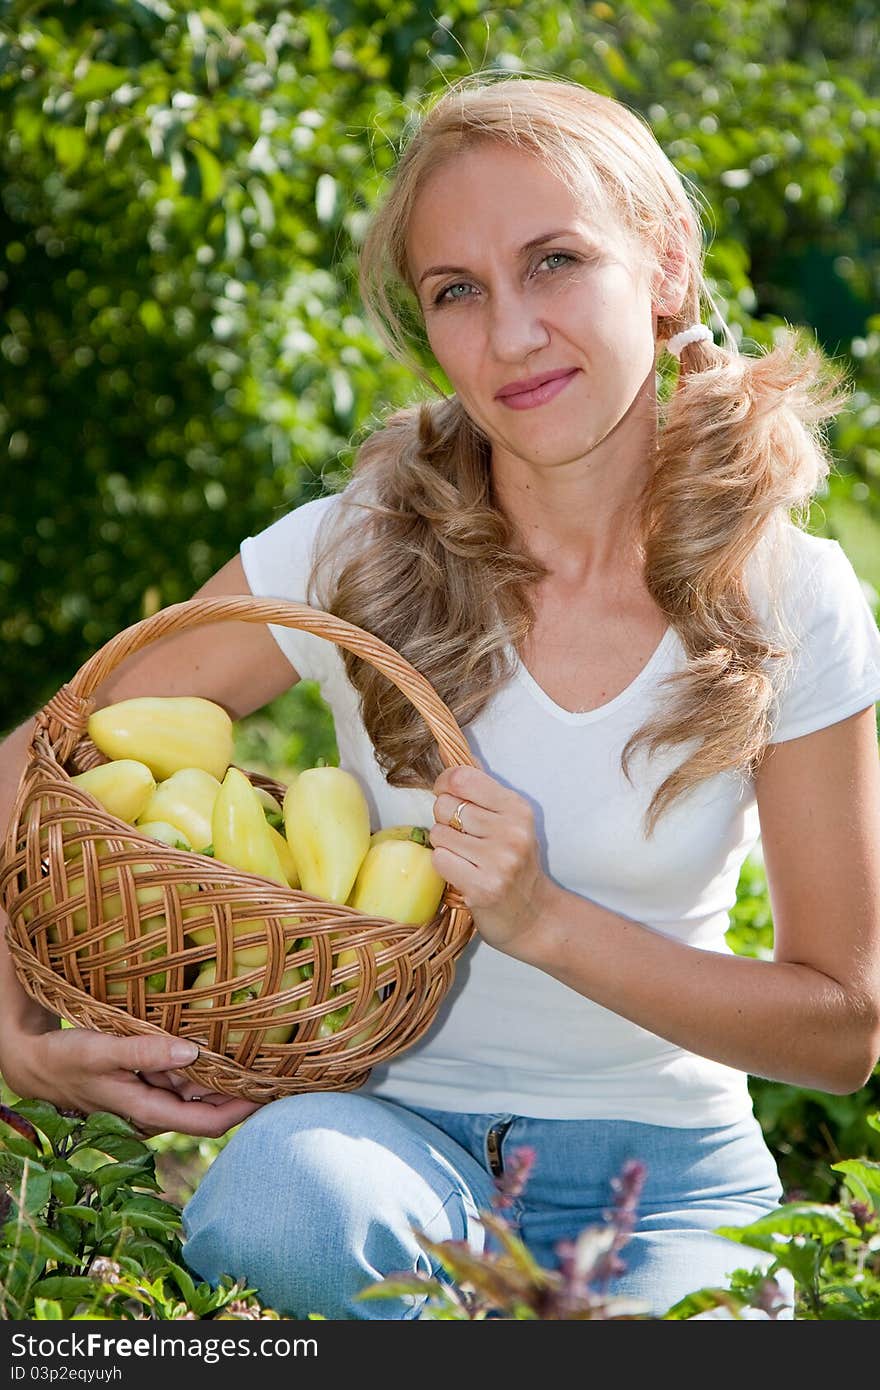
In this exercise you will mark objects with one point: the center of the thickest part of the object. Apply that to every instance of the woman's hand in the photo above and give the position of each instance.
(136, 1077)
(493, 860)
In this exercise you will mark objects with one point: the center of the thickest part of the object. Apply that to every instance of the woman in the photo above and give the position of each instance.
(653, 665)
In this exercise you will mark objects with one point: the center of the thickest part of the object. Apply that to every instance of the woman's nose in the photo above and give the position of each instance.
(514, 328)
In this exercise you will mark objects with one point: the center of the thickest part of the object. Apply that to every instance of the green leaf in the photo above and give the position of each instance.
(100, 1123)
(120, 1147)
(701, 1301)
(87, 1215)
(211, 173)
(184, 1282)
(67, 1286)
(156, 1205)
(46, 1118)
(20, 1147)
(100, 80)
(35, 1181)
(817, 1220)
(862, 1177)
(47, 1308)
(70, 145)
(49, 1246)
(64, 1188)
(151, 316)
(142, 1221)
(68, 1230)
(138, 1170)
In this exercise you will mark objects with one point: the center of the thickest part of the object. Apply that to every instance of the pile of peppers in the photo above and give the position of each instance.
(169, 772)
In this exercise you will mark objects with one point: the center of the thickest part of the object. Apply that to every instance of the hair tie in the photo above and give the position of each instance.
(695, 334)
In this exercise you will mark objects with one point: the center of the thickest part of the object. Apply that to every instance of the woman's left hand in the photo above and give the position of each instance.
(494, 860)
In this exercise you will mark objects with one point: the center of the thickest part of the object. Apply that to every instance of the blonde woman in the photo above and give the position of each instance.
(653, 662)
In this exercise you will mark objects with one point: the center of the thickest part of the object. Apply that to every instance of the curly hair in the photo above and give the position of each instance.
(418, 552)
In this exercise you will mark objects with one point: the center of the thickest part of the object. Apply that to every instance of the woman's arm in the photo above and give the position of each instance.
(811, 1016)
(240, 666)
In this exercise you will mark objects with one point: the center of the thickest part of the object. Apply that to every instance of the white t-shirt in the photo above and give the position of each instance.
(508, 1037)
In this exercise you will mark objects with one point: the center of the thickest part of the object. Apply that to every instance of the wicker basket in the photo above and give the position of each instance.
(83, 931)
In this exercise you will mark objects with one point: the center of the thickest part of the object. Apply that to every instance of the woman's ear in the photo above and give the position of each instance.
(669, 285)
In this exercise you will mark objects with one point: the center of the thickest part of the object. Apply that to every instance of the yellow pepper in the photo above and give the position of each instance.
(240, 835)
(123, 786)
(185, 799)
(332, 1022)
(271, 808)
(327, 823)
(417, 833)
(150, 897)
(167, 732)
(249, 956)
(165, 833)
(285, 854)
(398, 880)
(206, 976)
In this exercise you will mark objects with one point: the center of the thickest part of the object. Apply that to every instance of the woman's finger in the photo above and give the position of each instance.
(167, 1080)
(473, 784)
(186, 1089)
(475, 820)
(153, 1110)
(143, 1052)
(462, 873)
(467, 847)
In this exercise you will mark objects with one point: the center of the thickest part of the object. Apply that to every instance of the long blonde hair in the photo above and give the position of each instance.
(418, 553)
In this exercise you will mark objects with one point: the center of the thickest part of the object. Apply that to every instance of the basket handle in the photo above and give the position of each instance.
(65, 717)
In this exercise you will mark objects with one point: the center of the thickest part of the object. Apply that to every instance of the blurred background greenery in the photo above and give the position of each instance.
(183, 354)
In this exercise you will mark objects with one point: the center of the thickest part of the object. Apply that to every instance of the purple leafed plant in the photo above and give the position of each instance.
(509, 1283)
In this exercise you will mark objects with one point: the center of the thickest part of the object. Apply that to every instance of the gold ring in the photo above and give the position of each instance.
(455, 818)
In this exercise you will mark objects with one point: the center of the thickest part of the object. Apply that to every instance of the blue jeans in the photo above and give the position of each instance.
(313, 1198)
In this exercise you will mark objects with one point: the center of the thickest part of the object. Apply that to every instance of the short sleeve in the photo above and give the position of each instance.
(836, 670)
(276, 563)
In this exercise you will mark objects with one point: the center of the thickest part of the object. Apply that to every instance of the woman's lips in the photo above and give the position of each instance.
(524, 400)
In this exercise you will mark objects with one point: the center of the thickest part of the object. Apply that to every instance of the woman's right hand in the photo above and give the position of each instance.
(136, 1077)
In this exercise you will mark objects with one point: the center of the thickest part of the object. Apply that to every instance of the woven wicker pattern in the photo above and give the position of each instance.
(98, 912)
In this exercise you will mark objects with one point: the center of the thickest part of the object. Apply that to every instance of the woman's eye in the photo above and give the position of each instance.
(447, 297)
(444, 296)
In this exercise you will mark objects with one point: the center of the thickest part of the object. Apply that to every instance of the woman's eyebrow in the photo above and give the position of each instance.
(523, 250)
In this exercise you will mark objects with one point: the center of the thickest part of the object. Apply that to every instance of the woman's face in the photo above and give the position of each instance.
(499, 311)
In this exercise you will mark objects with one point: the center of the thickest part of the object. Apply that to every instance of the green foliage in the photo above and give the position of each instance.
(184, 191)
(831, 1250)
(82, 1234)
(290, 734)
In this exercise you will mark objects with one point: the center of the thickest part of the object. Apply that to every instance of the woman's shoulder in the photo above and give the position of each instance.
(830, 628)
(296, 526)
(791, 568)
